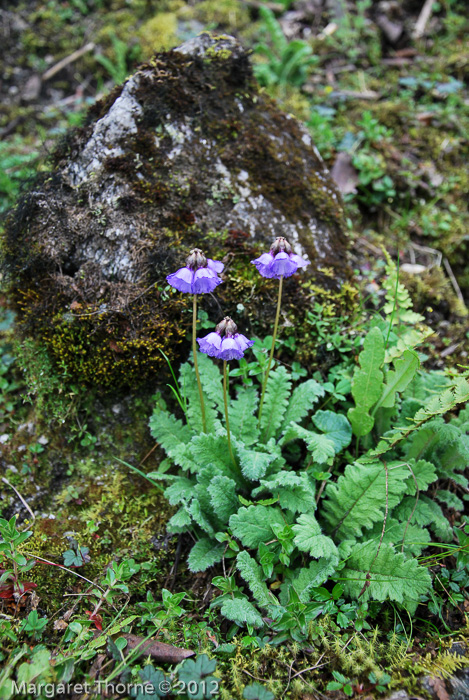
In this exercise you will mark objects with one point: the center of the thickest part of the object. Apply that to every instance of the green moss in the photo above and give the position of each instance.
(158, 33)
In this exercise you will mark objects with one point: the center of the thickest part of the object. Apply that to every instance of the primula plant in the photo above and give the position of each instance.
(315, 510)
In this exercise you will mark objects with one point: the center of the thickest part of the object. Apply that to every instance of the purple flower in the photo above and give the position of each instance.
(280, 262)
(231, 347)
(199, 276)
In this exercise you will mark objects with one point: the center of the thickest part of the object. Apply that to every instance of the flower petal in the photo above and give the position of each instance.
(215, 265)
(283, 265)
(242, 342)
(210, 344)
(181, 280)
(263, 264)
(229, 350)
(300, 262)
(205, 280)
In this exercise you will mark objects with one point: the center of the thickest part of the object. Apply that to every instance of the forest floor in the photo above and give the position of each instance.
(383, 88)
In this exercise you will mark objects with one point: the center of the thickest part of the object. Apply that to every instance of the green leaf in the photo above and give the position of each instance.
(254, 577)
(315, 575)
(302, 401)
(308, 538)
(252, 525)
(223, 496)
(254, 464)
(173, 437)
(335, 426)
(241, 611)
(321, 447)
(358, 500)
(196, 676)
(256, 691)
(180, 521)
(424, 473)
(392, 577)
(367, 383)
(204, 554)
(189, 389)
(211, 451)
(181, 490)
(243, 423)
(295, 493)
(152, 680)
(396, 381)
(275, 403)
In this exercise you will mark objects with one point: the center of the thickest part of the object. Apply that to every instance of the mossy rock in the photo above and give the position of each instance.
(187, 152)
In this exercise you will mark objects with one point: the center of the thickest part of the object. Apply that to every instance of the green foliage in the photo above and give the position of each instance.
(371, 516)
(288, 63)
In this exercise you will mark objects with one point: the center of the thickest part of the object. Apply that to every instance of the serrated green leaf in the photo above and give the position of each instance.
(223, 496)
(204, 554)
(335, 426)
(241, 611)
(358, 500)
(315, 575)
(256, 691)
(308, 538)
(275, 403)
(179, 522)
(424, 473)
(254, 463)
(243, 422)
(181, 490)
(302, 401)
(321, 447)
(252, 525)
(172, 436)
(392, 577)
(254, 577)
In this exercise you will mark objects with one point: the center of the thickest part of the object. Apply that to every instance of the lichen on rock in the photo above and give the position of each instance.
(188, 152)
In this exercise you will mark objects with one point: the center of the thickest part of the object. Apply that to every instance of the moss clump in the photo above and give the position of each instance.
(158, 33)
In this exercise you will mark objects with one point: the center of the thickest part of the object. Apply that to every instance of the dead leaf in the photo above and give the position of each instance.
(344, 174)
(439, 689)
(162, 653)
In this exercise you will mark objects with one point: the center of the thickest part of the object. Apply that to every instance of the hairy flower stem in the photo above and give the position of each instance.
(196, 366)
(225, 397)
(274, 337)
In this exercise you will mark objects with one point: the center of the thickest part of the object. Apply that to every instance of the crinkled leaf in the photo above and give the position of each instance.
(254, 463)
(204, 554)
(275, 402)
(392, 577)
(223, 496)
(302, 401)
(252, 525)
(254, 577)
(358, 499)
(243, 422)
(308, 538)
(241, 611)
(315, 575)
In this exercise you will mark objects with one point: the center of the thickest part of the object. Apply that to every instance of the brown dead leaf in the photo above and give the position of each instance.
(344, 174)
(163, 653)
(439, 689)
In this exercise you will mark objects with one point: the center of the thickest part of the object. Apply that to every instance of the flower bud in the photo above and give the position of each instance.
(280, 245)
(231, 327)
(196, 259)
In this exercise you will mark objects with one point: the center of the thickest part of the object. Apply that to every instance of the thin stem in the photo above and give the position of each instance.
(225, 397)
(274, 337)
(196, 366)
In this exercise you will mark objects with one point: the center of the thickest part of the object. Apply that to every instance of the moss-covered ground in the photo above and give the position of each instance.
(392, 116)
